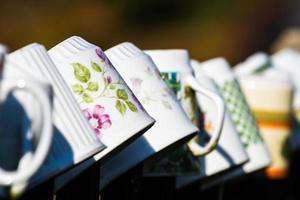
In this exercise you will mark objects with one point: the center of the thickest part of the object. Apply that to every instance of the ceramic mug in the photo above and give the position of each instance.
(172, 126)
(176, 71)
(109, 105)
(288, 60)
(74, 140)
(40, 136)
(219, 70)
(269, 94)
(229, 152)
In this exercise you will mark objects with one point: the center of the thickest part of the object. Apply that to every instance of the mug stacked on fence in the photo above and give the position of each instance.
(176, 71)
(25, 146)
(219, 70)
(229, 152)
(288, 60)
(269, 93)
(73, 138)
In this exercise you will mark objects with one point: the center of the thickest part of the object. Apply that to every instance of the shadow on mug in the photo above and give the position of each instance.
(114, 168)
(60, 158)
(17, 139)
(13, 131)
(220, 150)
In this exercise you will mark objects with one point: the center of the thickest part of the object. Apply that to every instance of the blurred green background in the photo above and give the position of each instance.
(208, 28)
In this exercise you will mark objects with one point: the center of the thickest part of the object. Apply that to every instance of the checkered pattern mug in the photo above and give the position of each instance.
(219, 70)
(230, 152)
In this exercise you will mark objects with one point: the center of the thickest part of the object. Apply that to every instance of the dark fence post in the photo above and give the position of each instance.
(125, 187)
(41, 192)
(84, 186)
(158, 188)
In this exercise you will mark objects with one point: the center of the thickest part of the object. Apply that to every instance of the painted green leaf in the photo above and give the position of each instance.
(86, 98)
(121, 107)
(112, 87)
(131, 106)
(96, 67)
(81, 73)
(77, 88)
(122, 94)
(93, 86)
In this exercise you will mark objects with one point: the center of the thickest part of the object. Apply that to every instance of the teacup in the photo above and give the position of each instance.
(229, 152)
(288, 60)
(115, 114)
(31, 133)
(172, 127)
(175, 68)
(74, 140)
(219, 70)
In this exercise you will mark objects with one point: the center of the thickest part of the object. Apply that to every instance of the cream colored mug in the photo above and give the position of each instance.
(269, 94)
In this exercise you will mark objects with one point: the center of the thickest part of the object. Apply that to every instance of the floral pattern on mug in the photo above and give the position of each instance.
(102, 56)
(97, 118)
(136, 84)
(182, 160)
(93, 81)
(150, 96)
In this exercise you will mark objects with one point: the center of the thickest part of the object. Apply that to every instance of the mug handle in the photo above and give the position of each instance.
(220, 106)
(35, 160)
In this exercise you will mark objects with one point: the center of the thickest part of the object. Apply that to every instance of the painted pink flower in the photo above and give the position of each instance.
(102, 55)
(136, 84)
(97, 118)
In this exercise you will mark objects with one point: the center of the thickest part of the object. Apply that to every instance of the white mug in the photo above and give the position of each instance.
(219, 70)
(229, 152)
(40, 136)
(288, 60)
(110, 106)
(177, 72)
(74, 140)
(172, 126)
